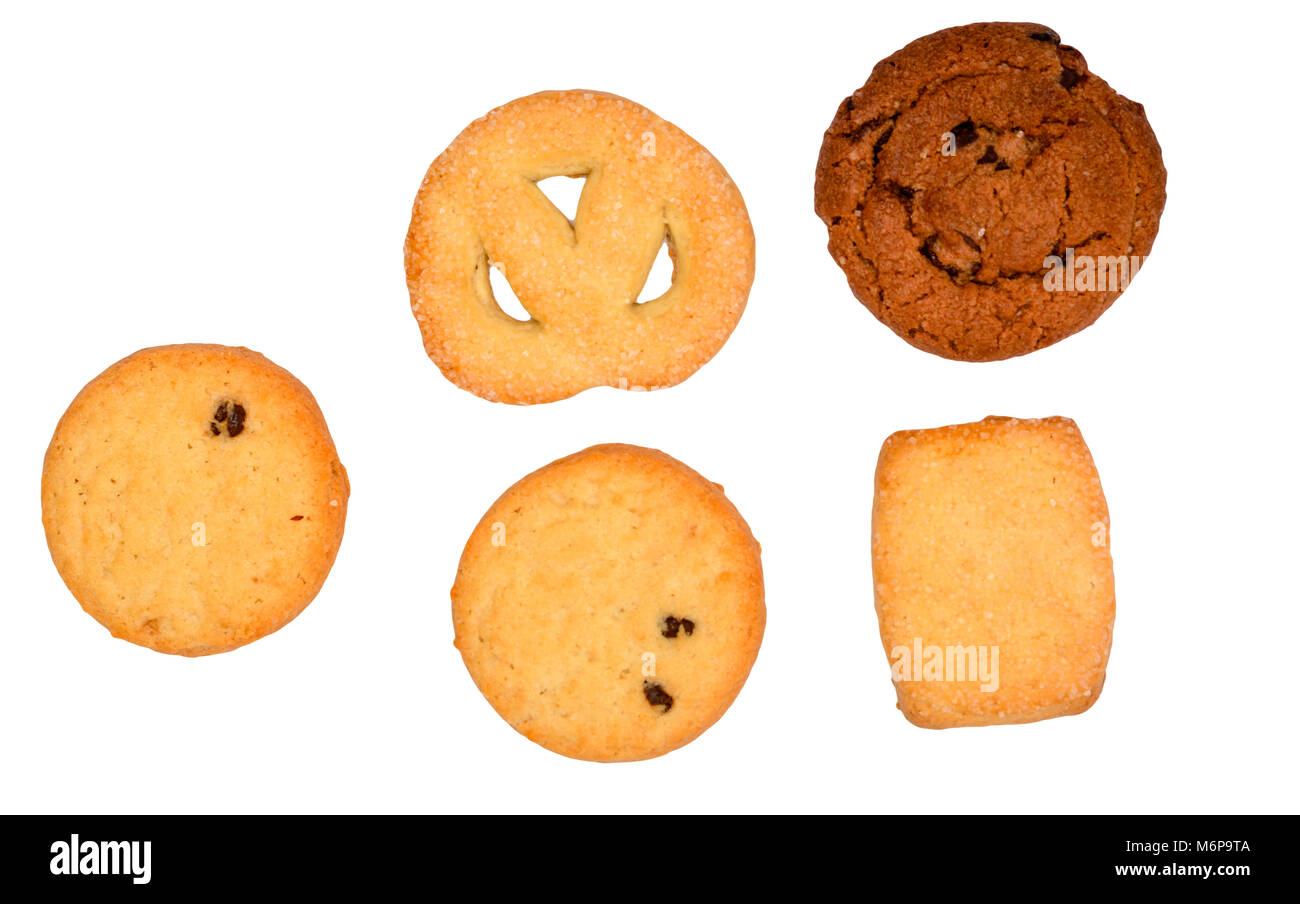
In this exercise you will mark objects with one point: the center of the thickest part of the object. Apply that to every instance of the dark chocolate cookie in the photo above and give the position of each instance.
(986, 194)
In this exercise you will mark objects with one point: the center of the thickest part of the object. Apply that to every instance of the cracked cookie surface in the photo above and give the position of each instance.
(192, 498)
(610, 605)
(969, 160)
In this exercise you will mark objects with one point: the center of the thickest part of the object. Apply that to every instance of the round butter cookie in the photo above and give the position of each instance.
(192, 498)
(986, 194)
(647, 183)
(610, 605)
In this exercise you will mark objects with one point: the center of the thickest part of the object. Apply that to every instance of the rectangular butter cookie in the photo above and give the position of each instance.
(990, 552)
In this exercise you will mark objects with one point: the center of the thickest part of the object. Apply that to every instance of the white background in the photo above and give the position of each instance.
(245, 176)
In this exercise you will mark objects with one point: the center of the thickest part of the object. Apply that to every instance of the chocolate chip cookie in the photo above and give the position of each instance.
(192, 498)
(610, 605)
(986, 194)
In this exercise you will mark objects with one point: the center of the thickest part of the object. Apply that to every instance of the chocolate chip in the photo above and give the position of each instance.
(1049, 37)
(672, 625)
(990, 155)
(964, 133)
(955, 252)
(236, 425)
(1070, 78)
(656, 695)
(231, 414)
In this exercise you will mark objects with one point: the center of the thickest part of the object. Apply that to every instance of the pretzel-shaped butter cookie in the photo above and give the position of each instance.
(647, 182)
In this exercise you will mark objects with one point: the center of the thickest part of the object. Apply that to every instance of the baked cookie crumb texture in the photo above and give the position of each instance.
(610, 605)
(192, 498)
(968, 162)
(647, 184)
(993, 581)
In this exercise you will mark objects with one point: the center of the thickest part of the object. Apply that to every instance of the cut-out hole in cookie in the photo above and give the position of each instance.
(662, 273)
(564, 192)
(504, 296)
